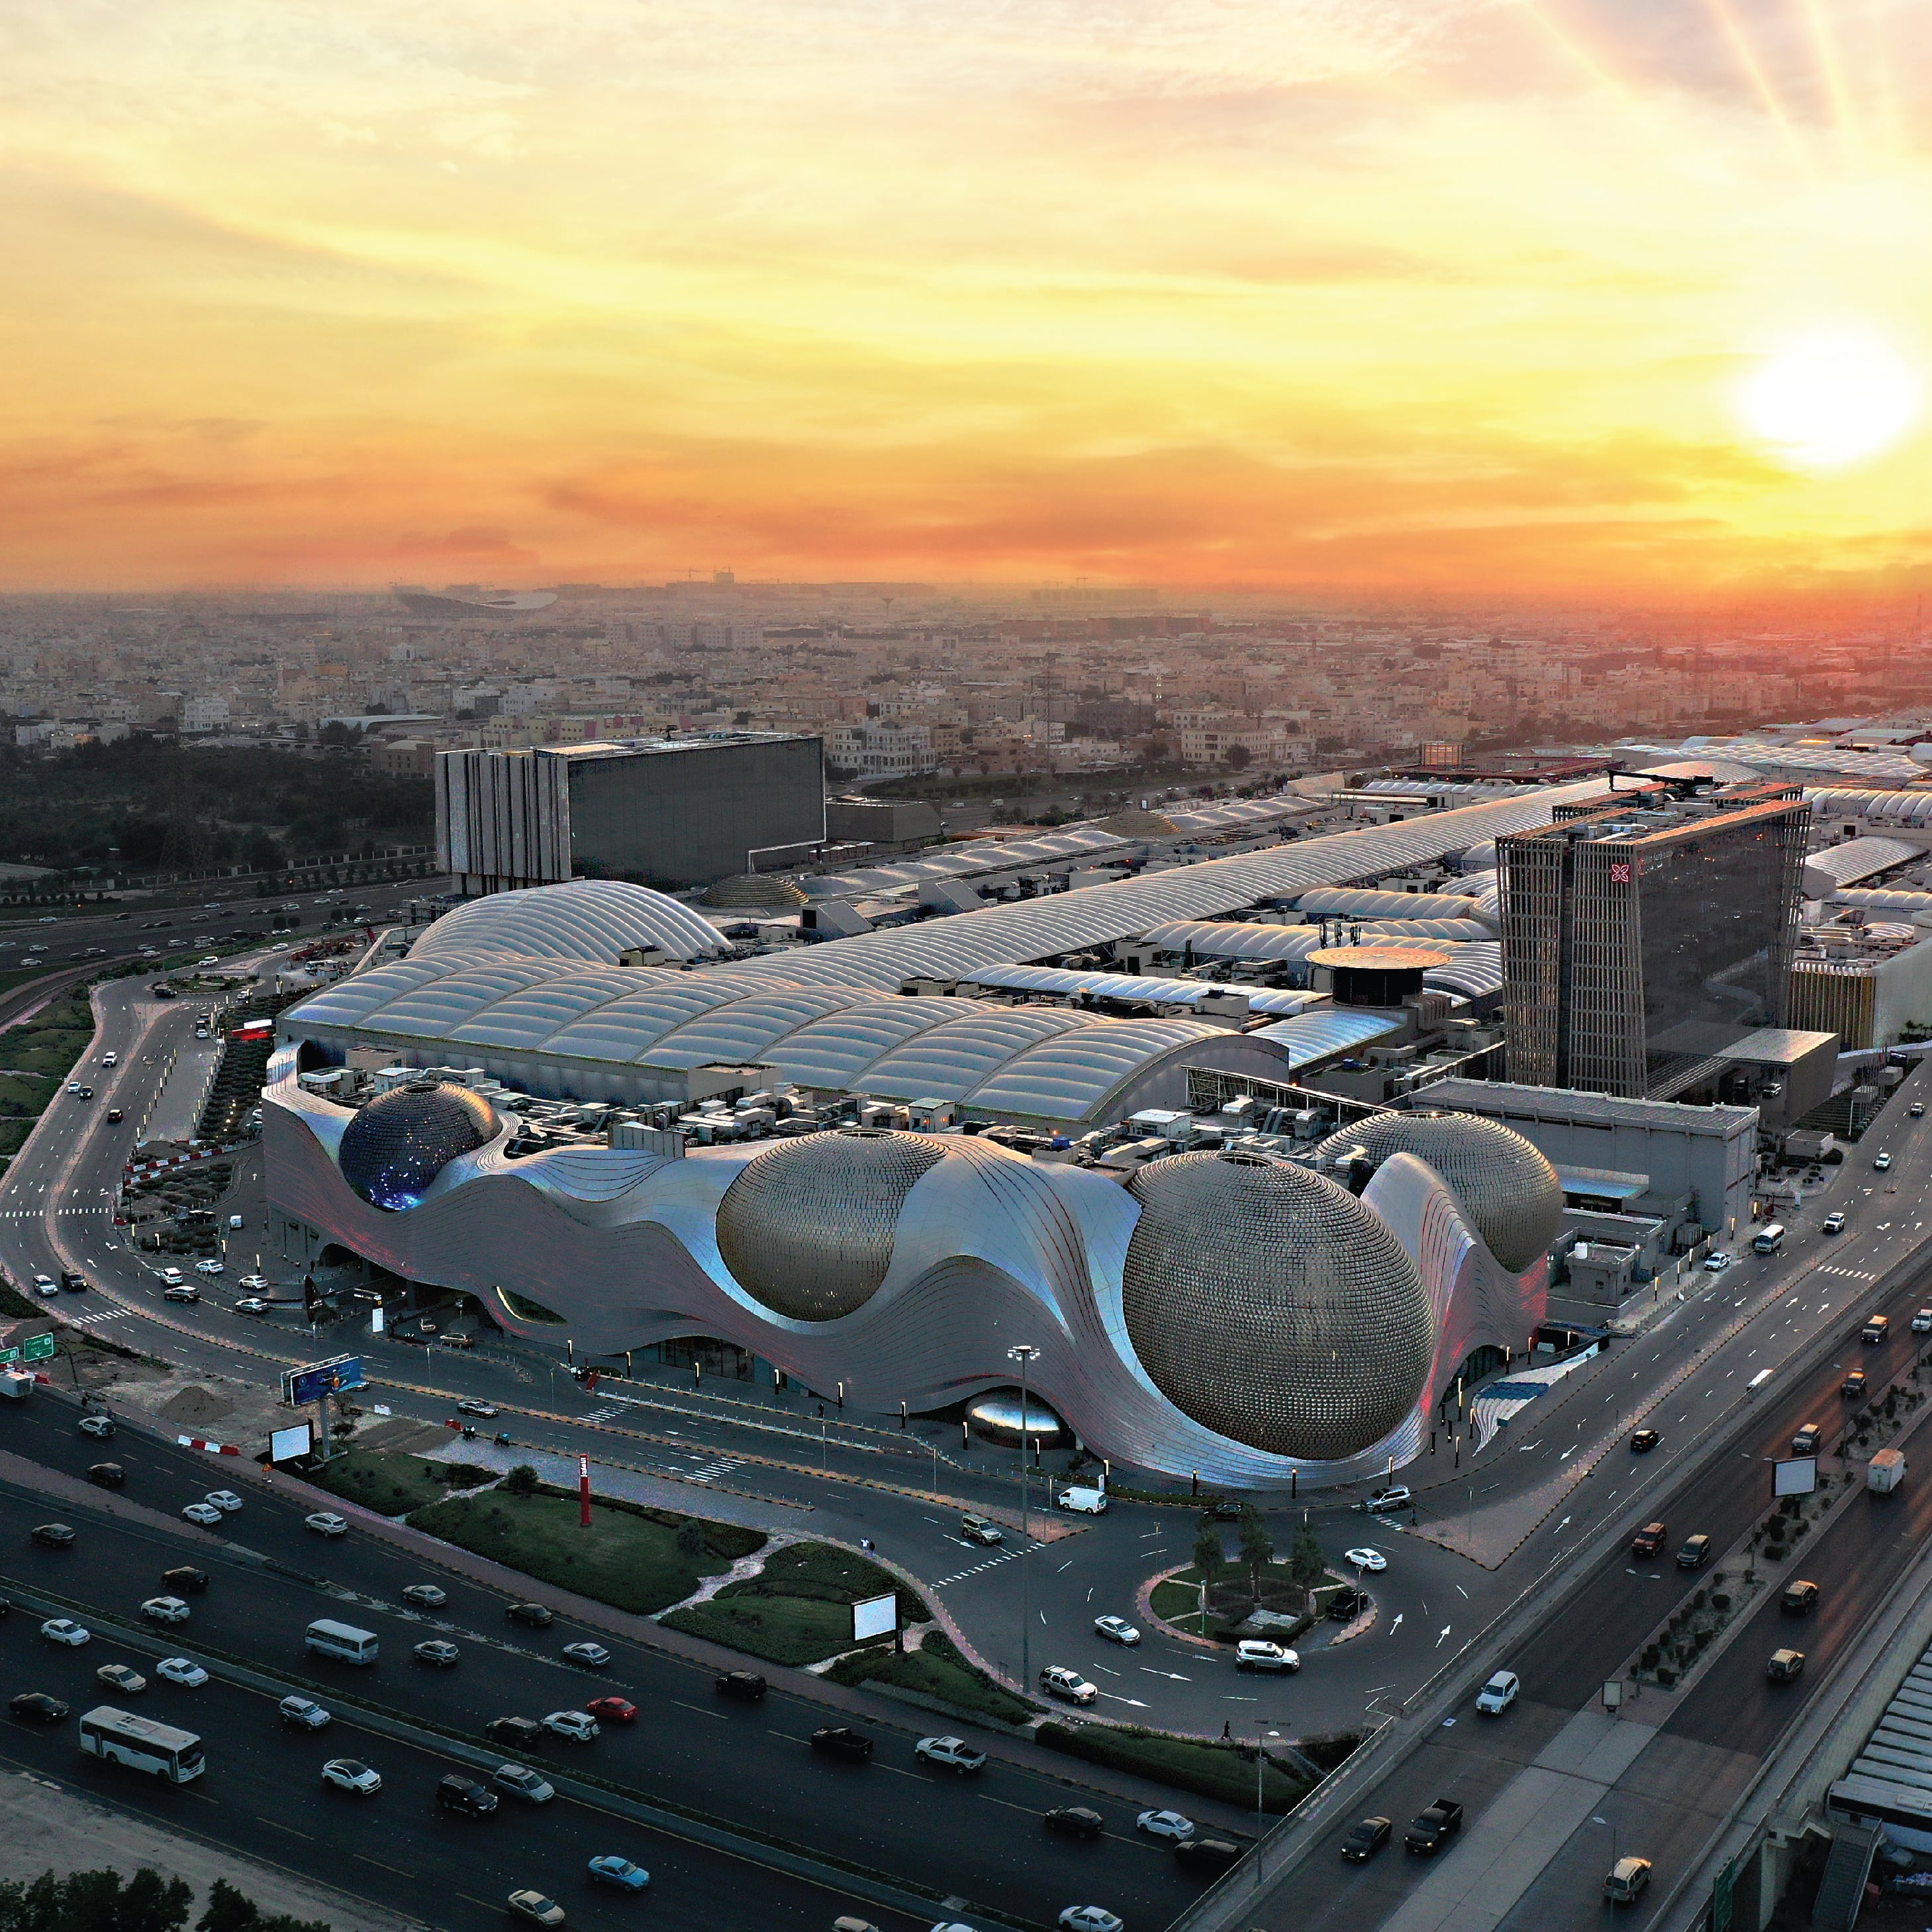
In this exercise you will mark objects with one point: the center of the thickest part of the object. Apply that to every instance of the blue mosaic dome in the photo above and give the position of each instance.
(402, 1139)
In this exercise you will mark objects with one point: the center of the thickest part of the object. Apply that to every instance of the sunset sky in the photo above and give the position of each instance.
(1382, 296)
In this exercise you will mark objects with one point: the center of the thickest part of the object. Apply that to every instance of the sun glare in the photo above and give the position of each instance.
(1827, 400)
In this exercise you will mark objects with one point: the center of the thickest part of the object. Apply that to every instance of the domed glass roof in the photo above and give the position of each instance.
(595, 919)
(402, 1139)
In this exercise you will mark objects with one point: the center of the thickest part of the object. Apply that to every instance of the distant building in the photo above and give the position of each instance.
(677, 812)
(403, 758)
(880, 747)
(205, 711)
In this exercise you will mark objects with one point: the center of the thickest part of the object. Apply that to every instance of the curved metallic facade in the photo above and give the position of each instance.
(1269, 1305)
(1509, 1189)
(807, 1228)
(395, 1147)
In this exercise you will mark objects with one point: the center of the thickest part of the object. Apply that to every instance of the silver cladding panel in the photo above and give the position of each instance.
(1509, 1191)
(807, 1228)
(1271, 1306)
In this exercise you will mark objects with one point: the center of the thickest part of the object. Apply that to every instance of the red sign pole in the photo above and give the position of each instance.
(583, 1492)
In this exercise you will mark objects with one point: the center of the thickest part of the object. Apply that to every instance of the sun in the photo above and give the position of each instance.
(1827, 399)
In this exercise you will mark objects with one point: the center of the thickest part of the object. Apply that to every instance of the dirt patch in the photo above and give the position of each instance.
(194, 1405)
(223, 1407)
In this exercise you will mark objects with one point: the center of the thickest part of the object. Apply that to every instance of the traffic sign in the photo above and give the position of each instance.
(38, 1348)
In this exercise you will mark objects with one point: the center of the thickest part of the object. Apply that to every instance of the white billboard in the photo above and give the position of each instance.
(877, 1616)
(291, 1444)
(1796, 1476)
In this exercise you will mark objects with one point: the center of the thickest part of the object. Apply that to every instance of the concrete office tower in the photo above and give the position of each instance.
(1646, 933)
(673, 812)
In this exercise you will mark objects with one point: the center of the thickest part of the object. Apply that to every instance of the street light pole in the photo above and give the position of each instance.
(1023, 1353)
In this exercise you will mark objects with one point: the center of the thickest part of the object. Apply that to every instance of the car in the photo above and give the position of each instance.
(1116, 1630)
(980, 1529)
(1073, 1821)
(1876, 1329)
(525, 1733)
(521, 1782)
(459, 1341)
(44, 1285)
(534, 1616)
(74, 1086)
(326, 1522)
(100, 1427)
(180, 1291)
(1800, 1598)
(227, 1500)
(351, 1774)
(1643, 1441)
(436, 1650)
(1384, 1501)
(106, 1475)
(1258, 1653)
(1921, 1322)
(1498, 1694)
(121, 1677)
(1805, 1442)
(455, 1792)
(1165, 1824)
(1717, 1262)
(1057, 1681)
(52, 1535)
(1649, 1541)
(745, 1687)
(85, 1094)
(1366, 1840)
(1835, 1224)
(1695, 1554)
(74, 1284)
(165, 1610)
(304, 1713)
(184, 1578)
(170, 1273)
(1212, 1856)
(534, 1906)
(841, 1740)
(430, 1596)
(251, 1304)
(1853, 1385)
(591, 1656)
(613, 1710)
(206, 1514)
(181, 1670)
(37, 1707)
(1626, 1880)
(210, 1267)
(484, 1411)
(1881, 1162)
(1784, 1665)
(577, 1726)
(1089, 1918)
(115, 1116)
(954, 1754)
(607, 1868)
(253, 1283)
(65, 1630)
(1366, 1558)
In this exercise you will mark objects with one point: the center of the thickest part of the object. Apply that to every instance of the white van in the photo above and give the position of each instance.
(330, 1638)
(1086, 1502)
(1769, 1239)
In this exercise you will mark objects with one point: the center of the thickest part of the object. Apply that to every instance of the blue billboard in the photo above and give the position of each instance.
(311, 1384)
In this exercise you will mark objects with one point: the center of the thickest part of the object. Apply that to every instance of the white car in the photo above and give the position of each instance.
(73, 1087)
(522, 1782)
(208, 1268)
(1366, 1558)
(347, 1774)
(1057, 1681)
(170, 1274)
(469, 1405)
(1384, 1501)
(326, 1522)
(1881, 1162)
(1716, 1262)
(223, 1499)
(253, 1283)
(1921, 1322)
(251, 1304)
(1165, 1824)
(183, 1671)
(1498, 1694)
(304, 1713)
(122, 1678)
(1257, 1653)
(206, 1514)
(110, 1059)
(578, 1726)
(65, 1630)
(955, 1754)
(594, 1654)
(1116, 1630)
(1091, 1918)
(165, 1610)
(44, 1285)
(430, 1596)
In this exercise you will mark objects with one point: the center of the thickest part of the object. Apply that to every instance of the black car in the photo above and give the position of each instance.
(454, 1793)
(1074, 1821)
(1211, 1856)
(747, 1686)
(1365, 1841)
(109, 1475)
(537, 1616)
(526, 1733)
(186, 1580)
(1695, 1554)
(1225, 1511)
(70, 1279)
(841, 1740)
(1643, 1441)
(36, 1707)
(53, 1535)
(114, 1114)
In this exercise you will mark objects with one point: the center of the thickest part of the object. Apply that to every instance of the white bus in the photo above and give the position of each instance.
(1770, 1239)
(159, 1749)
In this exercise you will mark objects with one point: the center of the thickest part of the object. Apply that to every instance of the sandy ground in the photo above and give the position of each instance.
(44, 1826)
(221, 1408)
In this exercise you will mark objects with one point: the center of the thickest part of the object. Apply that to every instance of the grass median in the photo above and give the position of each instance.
(389, 1484)
(935, 1669)
(798, 1609)
(1225, 1771)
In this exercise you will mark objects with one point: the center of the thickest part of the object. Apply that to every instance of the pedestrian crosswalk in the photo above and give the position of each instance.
(715, 1471)
(1852, 1273)
(978, 1569)
(599, 1415)
(94, 1317)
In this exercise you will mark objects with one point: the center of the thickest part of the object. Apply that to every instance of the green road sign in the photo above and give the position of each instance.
(7, 1355)
(37, 1348)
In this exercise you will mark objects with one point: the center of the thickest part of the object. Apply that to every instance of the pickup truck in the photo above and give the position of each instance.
(1429, 1830)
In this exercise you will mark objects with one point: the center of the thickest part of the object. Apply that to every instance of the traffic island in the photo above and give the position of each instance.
(938, 1675)
(1234, 1606)
(1225, 1770)
(798, 1610)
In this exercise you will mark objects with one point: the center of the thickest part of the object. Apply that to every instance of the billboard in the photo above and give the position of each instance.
(291, 1444)
(1796, 1476)
(317, 1379)
(876, 1616)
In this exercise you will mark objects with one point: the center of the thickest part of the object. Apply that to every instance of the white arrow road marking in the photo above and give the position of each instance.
(1397, 1625)
(1561, 1526)
(1446, 1630)
(1136, 1701)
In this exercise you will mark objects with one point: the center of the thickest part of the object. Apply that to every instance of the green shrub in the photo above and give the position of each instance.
(1210, 1770)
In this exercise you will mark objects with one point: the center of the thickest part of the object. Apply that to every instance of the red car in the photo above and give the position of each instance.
(613, 1710)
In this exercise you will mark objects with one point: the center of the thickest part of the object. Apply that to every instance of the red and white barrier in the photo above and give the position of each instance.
(213, 1448)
